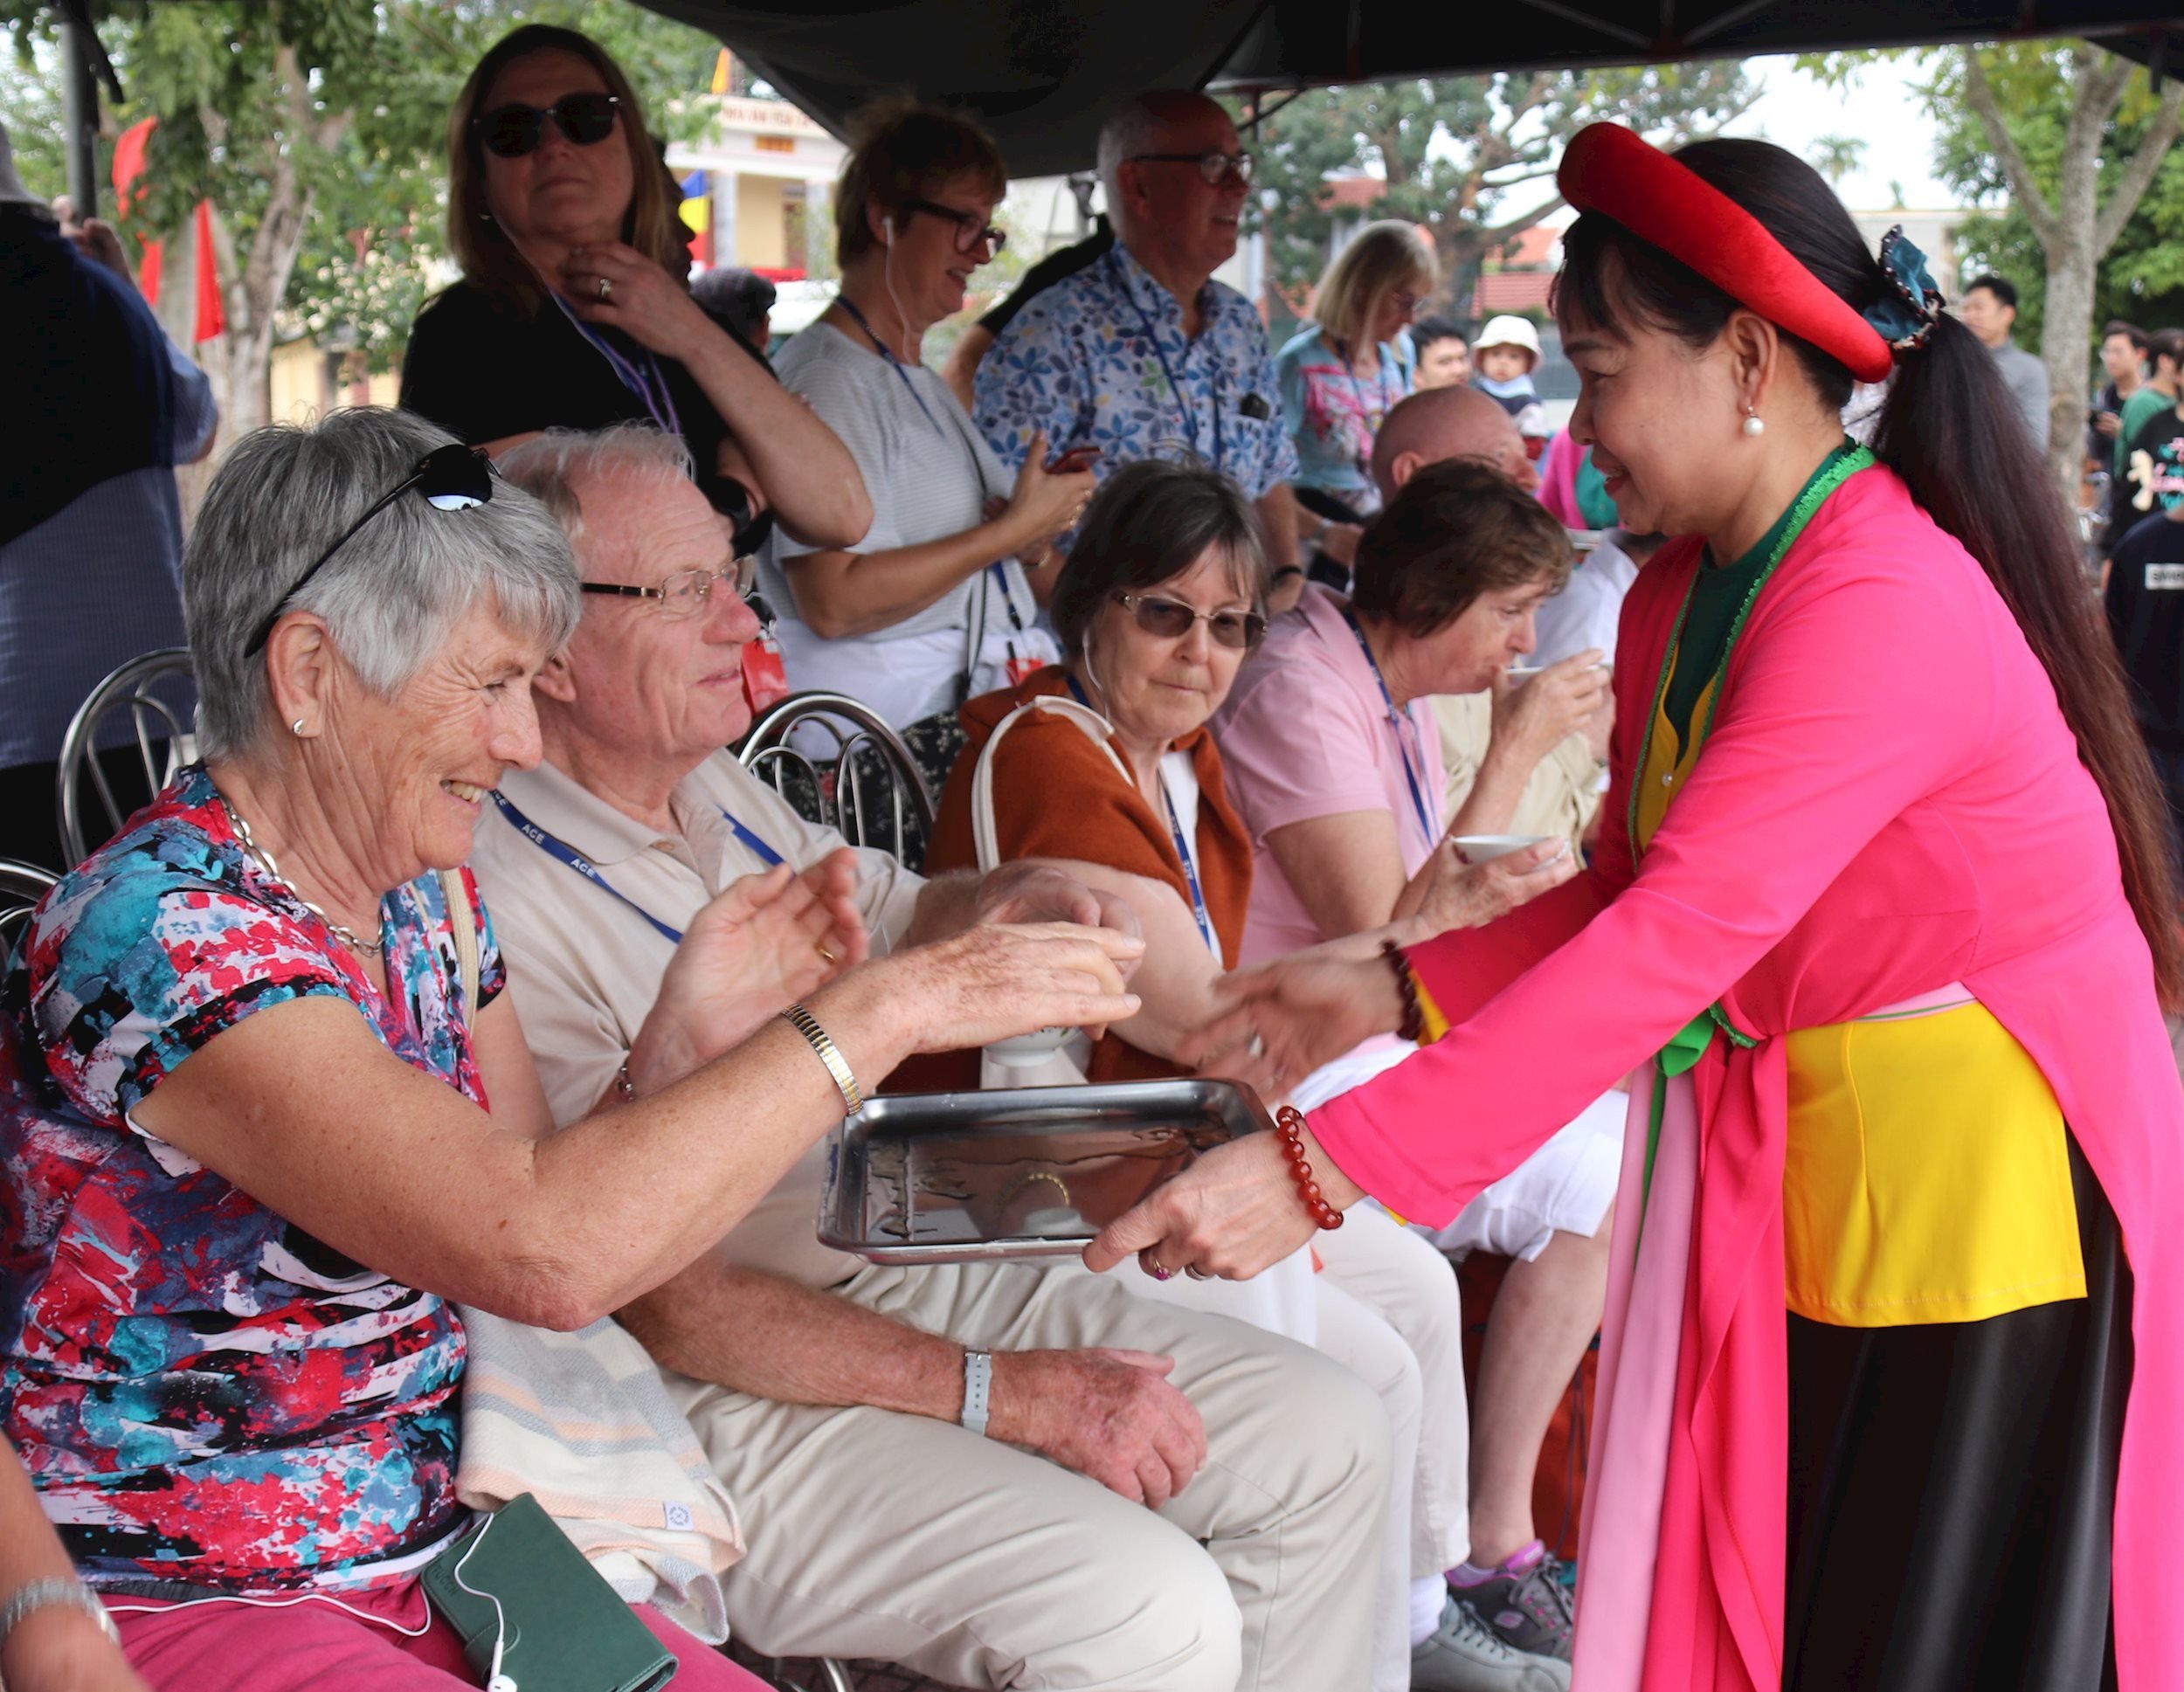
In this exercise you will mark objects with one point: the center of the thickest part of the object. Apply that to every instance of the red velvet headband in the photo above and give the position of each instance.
(1607, 169)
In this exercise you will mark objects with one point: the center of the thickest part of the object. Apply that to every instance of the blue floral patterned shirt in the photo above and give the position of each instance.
(1100, 359)
(206, 1394)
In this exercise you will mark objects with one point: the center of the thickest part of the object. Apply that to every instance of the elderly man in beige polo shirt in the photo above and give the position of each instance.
(1161, 1499)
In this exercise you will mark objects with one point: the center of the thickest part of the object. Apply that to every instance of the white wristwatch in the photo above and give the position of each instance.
(977, 1389)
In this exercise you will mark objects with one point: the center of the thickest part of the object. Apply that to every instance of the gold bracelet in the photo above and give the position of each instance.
(806, 1025)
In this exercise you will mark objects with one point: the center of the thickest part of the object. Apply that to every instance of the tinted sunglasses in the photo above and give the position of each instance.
(452, 477)
(509, 132)
(1170, 620)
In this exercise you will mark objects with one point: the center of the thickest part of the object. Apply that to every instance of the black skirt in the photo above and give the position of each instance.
(1952, 1491)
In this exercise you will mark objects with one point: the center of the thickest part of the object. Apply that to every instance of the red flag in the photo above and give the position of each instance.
(128, 165)
(212, 309)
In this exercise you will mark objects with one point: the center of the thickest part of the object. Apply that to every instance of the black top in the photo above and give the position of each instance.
(2145, 613)
(482, 371)
(2154, 477)
(85, 370)
(1055, 267)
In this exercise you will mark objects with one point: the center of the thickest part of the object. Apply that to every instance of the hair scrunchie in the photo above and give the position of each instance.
(1905, 316)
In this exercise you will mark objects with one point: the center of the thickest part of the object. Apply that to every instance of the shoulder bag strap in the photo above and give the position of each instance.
(462, 921)
(984, 834)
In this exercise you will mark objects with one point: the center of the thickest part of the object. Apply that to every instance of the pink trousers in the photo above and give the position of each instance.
(238, 1648)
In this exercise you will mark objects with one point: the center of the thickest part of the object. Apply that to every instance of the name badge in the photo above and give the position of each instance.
(2165, 576)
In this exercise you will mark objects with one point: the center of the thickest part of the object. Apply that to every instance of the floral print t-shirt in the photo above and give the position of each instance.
(204, 1394)
(1101, 359)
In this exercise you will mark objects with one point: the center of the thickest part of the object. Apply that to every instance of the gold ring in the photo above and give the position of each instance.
(826, 956)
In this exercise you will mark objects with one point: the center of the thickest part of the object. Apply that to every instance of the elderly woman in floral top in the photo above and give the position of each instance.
(243, 1090)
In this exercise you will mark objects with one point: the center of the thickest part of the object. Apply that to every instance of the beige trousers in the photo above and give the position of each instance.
(873, 1534)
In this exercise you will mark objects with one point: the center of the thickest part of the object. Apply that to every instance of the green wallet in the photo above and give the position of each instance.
(566, 1629)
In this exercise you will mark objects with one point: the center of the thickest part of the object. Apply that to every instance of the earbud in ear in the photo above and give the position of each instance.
(888, 224)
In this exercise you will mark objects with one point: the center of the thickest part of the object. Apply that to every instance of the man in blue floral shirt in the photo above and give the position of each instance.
(1143, 353)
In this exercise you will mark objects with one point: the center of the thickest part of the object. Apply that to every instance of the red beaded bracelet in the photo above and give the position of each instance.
(1292, 1127)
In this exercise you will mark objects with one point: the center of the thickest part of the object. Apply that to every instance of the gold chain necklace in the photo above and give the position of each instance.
(350, 938)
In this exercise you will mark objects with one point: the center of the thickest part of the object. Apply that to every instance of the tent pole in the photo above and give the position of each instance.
(79, 95)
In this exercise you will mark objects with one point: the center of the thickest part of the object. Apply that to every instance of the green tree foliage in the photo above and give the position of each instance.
(1451, 154)
(317, 128)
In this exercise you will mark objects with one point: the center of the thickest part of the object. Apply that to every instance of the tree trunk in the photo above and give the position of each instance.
(2073, 256)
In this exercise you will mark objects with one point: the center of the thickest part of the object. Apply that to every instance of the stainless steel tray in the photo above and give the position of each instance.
(1034, 1171)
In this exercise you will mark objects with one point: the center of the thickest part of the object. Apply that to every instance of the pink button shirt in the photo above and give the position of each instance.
(1306, 733)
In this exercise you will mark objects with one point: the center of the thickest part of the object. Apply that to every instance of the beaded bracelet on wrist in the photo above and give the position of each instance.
(1413, 1026)
(1291, 1127)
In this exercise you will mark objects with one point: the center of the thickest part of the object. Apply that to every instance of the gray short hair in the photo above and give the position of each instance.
(550, 466)
(1132, 128)
(391, 596)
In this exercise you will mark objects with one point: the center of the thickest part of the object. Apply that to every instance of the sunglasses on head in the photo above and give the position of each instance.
(1171, 619)
(452, 477)
(509, 132)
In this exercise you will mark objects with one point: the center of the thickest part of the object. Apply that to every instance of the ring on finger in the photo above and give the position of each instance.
(826, 956)
(1153, 1268)
(1196, 1273)
(606, 287)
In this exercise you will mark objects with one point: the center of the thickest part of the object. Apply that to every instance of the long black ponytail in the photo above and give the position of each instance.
(1948, 429)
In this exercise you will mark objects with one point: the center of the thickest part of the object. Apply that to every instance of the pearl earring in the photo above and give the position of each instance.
(296, 727)
(1754, 426)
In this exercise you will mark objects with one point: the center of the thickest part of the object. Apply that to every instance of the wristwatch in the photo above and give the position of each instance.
(977, 1389)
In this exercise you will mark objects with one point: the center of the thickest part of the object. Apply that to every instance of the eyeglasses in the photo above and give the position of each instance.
(684, 594)
(1404, 301)
(1213, 167)
(509, 132)
(452, 477)
(972, 231)
(1170, 620)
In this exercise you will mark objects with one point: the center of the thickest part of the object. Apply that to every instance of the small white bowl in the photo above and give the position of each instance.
(1485, 848)
(1030, 1049)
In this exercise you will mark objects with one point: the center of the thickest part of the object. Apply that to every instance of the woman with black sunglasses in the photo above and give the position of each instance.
(573, 311)
(933, 605)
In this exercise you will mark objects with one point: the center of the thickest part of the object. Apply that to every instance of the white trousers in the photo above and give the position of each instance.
(875, 1533)
(1389, 1311)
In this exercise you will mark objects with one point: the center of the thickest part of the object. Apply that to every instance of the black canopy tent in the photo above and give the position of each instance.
(1042, 73)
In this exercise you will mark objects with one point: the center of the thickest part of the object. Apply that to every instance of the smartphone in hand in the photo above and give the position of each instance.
(1075, 459)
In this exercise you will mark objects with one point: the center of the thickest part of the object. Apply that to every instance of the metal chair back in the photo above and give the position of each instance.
(877, 797)
(21, 886)
(165, 728)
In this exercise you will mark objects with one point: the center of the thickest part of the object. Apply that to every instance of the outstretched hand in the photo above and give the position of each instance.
(1233, 1212)
(762, 943)
(1273, 1025)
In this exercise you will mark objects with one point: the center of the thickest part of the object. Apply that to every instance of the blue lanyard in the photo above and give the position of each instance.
(662, 410)
(1182, 847)
(1399, 721)
(1184, 411)
(1190, 870)
(895, 364)
(563, 852)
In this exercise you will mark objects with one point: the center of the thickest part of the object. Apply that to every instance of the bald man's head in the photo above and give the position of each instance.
(1443, 424)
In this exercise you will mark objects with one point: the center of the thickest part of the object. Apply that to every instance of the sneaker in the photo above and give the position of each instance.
(1526, 1602)
(1464, 1654)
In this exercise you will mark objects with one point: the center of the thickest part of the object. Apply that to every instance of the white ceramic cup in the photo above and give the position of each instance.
(1485, 848)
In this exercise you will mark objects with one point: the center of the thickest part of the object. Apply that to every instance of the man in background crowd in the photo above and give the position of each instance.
(1141, 354)
(1444, 356)
(103, 407)
(1989, 310)
(2145, 477)
(2123, 357)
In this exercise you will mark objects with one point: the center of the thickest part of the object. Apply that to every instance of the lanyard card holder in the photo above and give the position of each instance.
(559, 1627)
